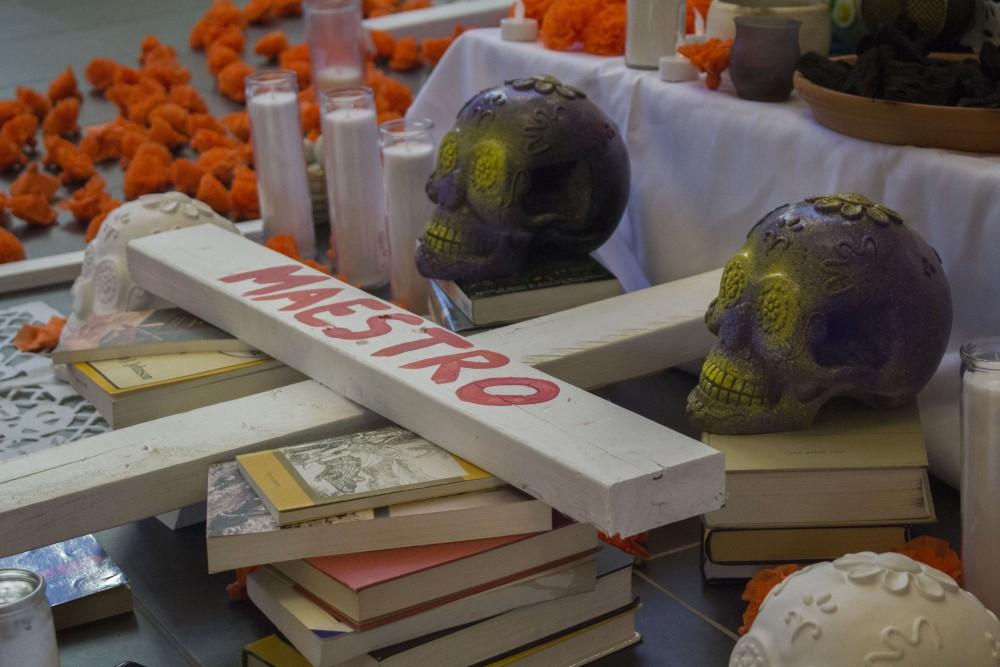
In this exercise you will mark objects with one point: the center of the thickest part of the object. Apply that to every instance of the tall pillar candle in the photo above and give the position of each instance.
(407, 162)
(279, 158)
(653, 27)
(354, 186)
(336, 43)
(981, 469)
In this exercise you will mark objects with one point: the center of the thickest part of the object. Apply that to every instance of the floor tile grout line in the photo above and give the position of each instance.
(715, 624)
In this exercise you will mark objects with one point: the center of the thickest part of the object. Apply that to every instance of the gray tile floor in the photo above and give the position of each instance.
(182, 614)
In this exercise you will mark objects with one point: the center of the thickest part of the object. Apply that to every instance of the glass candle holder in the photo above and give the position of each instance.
(981, 469)
(279, 158)
(27, 633)
(336, 43)
(407, 163)
(354, 186)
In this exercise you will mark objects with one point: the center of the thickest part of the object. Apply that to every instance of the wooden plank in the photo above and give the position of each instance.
(589, 458)
(65, 267)
(157, 466)
(440, 20)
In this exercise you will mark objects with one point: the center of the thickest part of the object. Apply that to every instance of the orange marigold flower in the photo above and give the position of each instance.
(701, 6)
(85, 202)
(214, 193)
(204, 121)
(246, 205)
(432, 49)
(34, 209)
(174, 114)
(21, 128)
(220, 55)
(186, 175)
(220, 162)
(162, 132)
(230, 80)
(271, 45)
(11, 108)
(238, 124)
(62, 119)
(260, 11)
(11, 248)
(565, 22)
(535, 9)
(936, 553)
(10, 154)
(285, 244)
(406, 55)
(231, 36)
(34, 182)
(383, 42)
(63, 85)
(94, 226)
(711, 57)
(757, 589)
(605, 34)
(189, 98)
(148, 171)
(38, 104)
(308, 116)
(204, 139)
(167, 74)
(100, 73)
(313, 264)
(288, 7)
(102, 142)
(410, 5)
(39, 337)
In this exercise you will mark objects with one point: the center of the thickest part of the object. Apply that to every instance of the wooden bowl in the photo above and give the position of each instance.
(887, 122)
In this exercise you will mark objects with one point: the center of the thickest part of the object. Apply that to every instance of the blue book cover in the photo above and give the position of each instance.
(72, 569)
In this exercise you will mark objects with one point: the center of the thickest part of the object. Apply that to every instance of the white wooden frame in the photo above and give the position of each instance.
(161, 465)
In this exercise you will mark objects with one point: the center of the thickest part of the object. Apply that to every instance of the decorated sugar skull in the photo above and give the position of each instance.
(832, 296)
(104, 285)
(867, 610)
(530, 166)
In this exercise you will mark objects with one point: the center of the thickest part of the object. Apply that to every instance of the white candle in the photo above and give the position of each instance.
(354, 185)
(406, 166)
(652, 30)
(518, 28)
(279, 159)
(981, 470)
(337, 76)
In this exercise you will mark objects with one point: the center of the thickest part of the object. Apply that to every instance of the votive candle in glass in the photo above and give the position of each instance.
(336, 43)
(407, 163)
(981, 469)
(279, 158)
(354, 186)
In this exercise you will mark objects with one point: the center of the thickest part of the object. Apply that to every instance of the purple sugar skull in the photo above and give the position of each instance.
(832, 296)
(530, 166)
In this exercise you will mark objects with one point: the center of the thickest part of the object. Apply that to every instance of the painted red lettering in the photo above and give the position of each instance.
(378, 325)
(435, 336)
(276, 278)
(475, 392)
(302, 298)
(339, 309)
(450, 365)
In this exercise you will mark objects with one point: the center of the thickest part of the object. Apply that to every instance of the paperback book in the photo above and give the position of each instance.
(241, 532)
(546, 286)
(355, 472)
(142, 333)
(81, 582)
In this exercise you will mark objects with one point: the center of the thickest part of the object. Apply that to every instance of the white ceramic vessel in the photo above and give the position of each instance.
(814, 35)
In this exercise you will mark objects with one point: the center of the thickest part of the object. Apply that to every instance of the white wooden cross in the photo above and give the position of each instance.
(153, 467)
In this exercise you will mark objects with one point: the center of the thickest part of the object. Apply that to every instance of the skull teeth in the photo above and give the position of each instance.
(444, 239)
(729, 388)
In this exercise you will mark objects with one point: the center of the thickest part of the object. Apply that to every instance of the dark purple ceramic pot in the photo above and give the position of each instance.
(765, 52)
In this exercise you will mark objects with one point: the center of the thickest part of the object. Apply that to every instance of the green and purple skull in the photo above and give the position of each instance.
(832, 296)
(530, 166)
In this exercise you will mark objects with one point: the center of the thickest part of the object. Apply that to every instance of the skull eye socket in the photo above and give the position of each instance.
(489, 171)
(734, 281)
(778, 309)
(448, 154)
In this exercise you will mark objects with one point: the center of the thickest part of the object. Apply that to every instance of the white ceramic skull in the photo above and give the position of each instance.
(104, 285)
(868, 610)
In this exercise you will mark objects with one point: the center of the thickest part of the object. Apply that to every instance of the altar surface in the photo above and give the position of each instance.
(706, 165)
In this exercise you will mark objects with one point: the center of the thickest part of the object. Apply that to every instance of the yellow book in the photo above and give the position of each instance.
(271, 651)
(355, 472)
(118, 376)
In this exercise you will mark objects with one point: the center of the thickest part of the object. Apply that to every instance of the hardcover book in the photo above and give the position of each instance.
(379, 587)
(355, 472)
(272, 651)
(240, 531)
(142, 332)
(81, 582)
(768, 546)
(546, 286)
(855, 466)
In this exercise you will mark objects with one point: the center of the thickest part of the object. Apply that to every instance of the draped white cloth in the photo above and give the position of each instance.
(706, 165)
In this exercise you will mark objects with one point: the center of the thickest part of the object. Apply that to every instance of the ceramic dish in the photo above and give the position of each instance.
(903, 123)
(814, 35)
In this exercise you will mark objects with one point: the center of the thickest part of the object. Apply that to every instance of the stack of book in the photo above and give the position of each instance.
(546, 286)
(380, 548)
(142, 365)
(856, 481)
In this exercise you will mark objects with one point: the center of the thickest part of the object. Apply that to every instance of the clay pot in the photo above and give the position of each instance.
(765, 52)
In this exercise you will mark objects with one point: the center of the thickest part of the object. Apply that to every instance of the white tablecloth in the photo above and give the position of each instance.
(706, 165)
